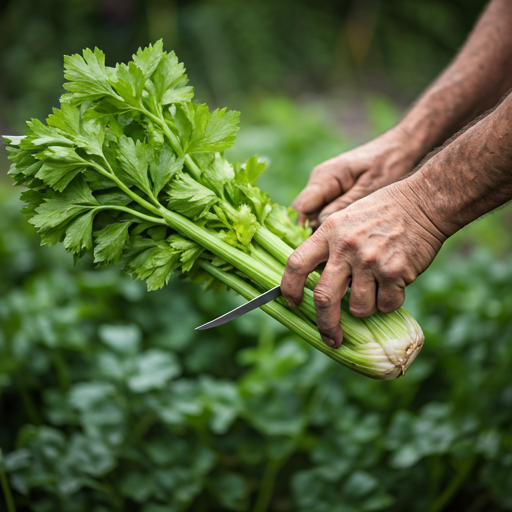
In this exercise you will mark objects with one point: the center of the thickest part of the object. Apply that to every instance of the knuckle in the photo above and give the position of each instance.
(295, 263)
(346, 244)
(369, 259)
(322, 298)
(391, 272)
(360, 311)
(360, 307)
(391, 303)
(329, 223)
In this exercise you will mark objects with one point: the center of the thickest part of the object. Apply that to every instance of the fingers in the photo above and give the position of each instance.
(312, 219)
(317, 194)
(390, 297)
(355, 193)
(328, 294)
(363, 295)
(300, 264)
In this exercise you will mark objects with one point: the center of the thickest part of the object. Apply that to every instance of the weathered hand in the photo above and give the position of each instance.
(382, 242)
(342, 180)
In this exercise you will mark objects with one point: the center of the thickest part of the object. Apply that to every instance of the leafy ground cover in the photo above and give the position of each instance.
(110, 401)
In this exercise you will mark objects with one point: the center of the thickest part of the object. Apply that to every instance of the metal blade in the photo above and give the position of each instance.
(261, 300)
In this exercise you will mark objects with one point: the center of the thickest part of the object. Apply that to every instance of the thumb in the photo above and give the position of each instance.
(317, 194)
(355, 193)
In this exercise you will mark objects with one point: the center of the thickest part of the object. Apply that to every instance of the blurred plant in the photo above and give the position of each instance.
(234, 50)
(111, 401)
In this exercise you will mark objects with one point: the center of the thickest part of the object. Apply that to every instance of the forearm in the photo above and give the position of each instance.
(469, 177)
(474, 82)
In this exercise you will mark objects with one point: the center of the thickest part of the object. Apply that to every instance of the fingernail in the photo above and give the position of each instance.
(328, 341)
(322, 218)
(290, 305)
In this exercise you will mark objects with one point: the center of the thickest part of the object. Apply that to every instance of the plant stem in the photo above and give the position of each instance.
(9, 500)
(267, 485)
(28, 405)
(305, 329)
(281, 251)
(449, 492)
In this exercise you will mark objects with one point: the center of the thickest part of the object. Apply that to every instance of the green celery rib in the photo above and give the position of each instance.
(305, 329)
(281, 251)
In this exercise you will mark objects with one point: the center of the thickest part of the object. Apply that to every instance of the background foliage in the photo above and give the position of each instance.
(108, 398)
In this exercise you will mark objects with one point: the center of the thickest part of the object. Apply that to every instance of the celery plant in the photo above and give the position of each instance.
(133, 170)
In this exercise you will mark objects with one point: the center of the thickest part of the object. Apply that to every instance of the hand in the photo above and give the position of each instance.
(337, 183)
(382, 242)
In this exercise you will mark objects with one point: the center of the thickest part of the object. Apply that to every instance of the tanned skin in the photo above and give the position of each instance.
(382, 233)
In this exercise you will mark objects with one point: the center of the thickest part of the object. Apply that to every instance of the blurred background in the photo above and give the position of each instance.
(109, 401)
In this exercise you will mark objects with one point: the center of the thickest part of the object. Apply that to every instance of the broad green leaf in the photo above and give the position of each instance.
(245, 225)
(134, 158)
(155, 264)
(153, 370)
(218, 174)
(129, 83)
(39, 136)
(110, 242)
(163, 167)
(147, 59)
(170, 82)
(189, 250)
(125, 339)
(279, 221)
(188, 197)
(87, 78)
(58, 175)
(214, 131)
(60, 209)
(87, 134)
(79, 233)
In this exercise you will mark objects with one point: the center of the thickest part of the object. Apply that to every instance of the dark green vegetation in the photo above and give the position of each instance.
(233, 419)
(133, 170)
(110, 400)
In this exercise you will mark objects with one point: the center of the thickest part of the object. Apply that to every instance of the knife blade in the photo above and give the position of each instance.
(258, 301)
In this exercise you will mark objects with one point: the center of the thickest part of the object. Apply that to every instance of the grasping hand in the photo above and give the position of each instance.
(382, 242)
(342, 180)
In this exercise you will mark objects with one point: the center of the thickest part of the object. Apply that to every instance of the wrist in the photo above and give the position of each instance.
(418, 204)
(412, 142)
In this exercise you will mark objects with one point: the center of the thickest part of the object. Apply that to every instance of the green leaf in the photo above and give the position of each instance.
(214, 131)
(170, 82)
(87, 134)
(279, 221)
(62, 208)
(40, 135)
(154, 369)
(134, 158)
(163, 167)
(125, 339)
(149, 58)
(232, 490)
(88, 78)
(155, 264)
(59, 175)
(110, 242)
(245, 225)
(79, 234)
(188, 197)
(129, 83)
(189, 250)
(218, 174)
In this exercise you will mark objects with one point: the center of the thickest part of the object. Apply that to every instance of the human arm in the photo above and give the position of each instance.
(384, 241)
(476, 79)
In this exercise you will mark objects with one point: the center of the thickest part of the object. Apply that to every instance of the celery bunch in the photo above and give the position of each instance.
(133, 170)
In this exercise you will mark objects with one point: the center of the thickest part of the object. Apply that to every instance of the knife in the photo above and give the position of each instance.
(258, 301)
